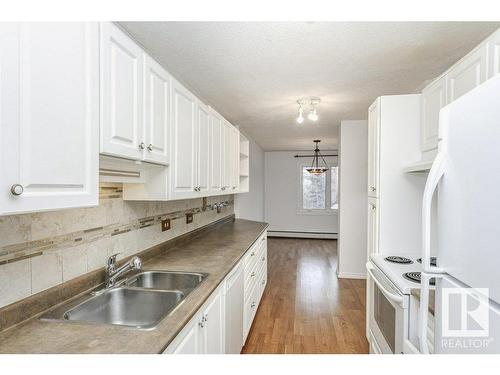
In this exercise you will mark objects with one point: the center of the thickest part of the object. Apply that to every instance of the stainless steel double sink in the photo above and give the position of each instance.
(141, 301)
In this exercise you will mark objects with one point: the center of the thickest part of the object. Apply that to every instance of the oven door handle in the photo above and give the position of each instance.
(394, 297)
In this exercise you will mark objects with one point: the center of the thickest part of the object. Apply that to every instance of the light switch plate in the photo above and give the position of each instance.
(165, 225)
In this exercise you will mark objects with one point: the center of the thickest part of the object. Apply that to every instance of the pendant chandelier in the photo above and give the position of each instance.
(315, 167)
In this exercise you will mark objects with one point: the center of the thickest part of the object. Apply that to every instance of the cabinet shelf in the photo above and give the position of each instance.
(420, 167)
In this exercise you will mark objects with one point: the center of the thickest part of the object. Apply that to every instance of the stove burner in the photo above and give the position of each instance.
(415, 277)
(397, 259)
(433, 261)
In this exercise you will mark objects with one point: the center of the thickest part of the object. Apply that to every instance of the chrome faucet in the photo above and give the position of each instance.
(112, 273)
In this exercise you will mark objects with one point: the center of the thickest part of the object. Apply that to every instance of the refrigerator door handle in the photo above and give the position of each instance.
(435, 174)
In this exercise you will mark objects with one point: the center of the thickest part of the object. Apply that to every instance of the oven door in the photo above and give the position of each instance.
(388, 311)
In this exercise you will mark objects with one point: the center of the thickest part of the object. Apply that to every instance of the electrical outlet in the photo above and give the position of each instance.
(165, 225)
(189, 218)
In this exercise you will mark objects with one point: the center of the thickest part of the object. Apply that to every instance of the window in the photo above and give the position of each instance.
(319, 193)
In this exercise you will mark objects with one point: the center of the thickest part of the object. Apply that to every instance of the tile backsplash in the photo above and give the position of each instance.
(41, 250)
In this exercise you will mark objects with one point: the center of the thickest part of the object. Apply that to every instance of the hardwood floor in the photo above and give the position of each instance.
(305, 307)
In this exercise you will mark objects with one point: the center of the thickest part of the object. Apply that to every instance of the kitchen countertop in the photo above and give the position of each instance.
(215, 253)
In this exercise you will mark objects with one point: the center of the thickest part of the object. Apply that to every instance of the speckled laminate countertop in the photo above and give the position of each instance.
(215, 253)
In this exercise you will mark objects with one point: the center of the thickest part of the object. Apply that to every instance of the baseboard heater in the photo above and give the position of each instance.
(296, 234)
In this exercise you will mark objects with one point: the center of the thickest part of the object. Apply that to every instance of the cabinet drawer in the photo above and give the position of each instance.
(250, 309)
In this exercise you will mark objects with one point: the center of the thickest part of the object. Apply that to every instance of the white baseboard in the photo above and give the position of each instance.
(290, 234)
(348, 275)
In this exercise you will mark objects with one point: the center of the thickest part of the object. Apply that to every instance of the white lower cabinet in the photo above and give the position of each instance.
(234, 310)
(222, 324)
(212, 325)
(189, 342)
(49, 116)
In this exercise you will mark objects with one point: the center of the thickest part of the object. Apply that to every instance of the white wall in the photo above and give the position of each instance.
(251, 205)
(353, 180)
(281, 195)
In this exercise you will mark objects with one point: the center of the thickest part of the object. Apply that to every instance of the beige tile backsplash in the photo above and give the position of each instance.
(41, 250)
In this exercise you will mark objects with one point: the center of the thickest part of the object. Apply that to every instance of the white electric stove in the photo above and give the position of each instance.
(393, 309)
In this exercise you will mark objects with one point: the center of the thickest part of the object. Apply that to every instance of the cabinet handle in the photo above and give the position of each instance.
(252, 305)
(252, 253)
(142, 146)
(263, 258)
(263, 282)
(205, 317)
(253, 274)
(150, 147)
(223, 188)
(373, 207)
(201, 324)
(17, 189)
(373, 188)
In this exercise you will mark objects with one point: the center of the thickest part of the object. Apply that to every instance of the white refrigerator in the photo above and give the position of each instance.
(466, 178)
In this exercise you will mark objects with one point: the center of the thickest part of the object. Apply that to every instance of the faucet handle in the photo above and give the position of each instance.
(111, 261)
(136, 263)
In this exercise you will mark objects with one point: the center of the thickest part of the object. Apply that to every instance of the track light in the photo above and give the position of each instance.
(300, 118)
(311, 104)
(313, 115)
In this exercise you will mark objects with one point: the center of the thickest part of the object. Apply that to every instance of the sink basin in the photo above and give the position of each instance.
(142, 302)
(126, 307)
(167, 280)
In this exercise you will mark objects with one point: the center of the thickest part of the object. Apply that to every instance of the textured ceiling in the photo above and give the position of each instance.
(253, 72)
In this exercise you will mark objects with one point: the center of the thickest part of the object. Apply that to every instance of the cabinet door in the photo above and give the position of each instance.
(213, 326)
(157, 111)
(203, 136)
(121, 94)
(236, 160)
(373, 148)
(494, 54)
(467, 74)
(373, 220)
(190, 344)
(433, 99)
(227, 157)
(216, 153)
(49, 115)
(183, 144)
(233, 303)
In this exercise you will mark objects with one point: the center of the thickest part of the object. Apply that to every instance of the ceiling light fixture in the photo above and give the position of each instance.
(315, 167)
(312, 103)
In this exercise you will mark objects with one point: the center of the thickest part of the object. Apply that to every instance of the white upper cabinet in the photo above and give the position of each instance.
(227, 157)
(49, 116)
(216, 152)
(157, 84)
(433, 99)
(121, 94)
(183, 143)
(494, 54)
(468, 73)
(373, 148)
(203, 152)
(235, 159)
